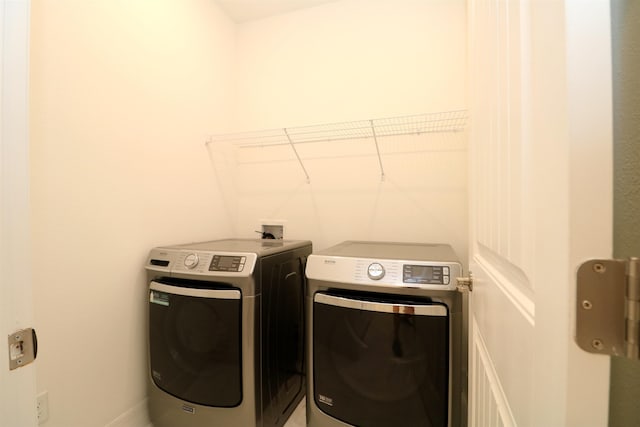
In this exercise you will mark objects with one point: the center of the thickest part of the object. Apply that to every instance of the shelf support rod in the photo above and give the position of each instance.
(375, 139)
(293, 147)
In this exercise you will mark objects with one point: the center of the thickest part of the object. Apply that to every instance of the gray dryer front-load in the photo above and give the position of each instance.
(226, 327)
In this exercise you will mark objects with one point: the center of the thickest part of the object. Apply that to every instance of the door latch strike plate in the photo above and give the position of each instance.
(23, 348)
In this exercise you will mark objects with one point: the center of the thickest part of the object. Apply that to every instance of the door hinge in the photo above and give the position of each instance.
(608, 307)
(23, 348)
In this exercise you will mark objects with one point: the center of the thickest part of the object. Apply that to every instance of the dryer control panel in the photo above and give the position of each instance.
(201, 263)
(227, 263)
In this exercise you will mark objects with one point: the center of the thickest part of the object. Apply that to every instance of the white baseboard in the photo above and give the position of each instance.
(137, 416)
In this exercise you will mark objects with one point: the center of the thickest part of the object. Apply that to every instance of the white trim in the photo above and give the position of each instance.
(524, 304)
(497, 399)
(18, 388)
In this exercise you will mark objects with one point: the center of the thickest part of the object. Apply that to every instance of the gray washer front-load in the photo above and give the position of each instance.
(226, 328)
(386, 336)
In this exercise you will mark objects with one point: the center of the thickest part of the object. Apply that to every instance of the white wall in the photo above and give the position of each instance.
(351, 60)
(123, 93)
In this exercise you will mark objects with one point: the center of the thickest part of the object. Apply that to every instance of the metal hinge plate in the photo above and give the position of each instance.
(608, 307)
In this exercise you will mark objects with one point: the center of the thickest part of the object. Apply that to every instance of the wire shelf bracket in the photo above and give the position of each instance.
(293, 147)
(375, 140)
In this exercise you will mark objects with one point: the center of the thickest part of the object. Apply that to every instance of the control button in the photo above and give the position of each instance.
(446, 280)
(191, 261)
(375, 271)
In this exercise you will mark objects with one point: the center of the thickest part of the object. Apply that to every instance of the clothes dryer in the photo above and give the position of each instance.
(386, 337)
(226, 327)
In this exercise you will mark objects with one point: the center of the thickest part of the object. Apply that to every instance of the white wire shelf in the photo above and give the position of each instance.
(448, 121)
(440, 122)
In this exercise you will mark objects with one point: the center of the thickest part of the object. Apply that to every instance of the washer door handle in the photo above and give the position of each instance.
(382, 307)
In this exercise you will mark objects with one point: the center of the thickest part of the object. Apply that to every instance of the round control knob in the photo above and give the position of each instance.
(375, 271)
(191, 260)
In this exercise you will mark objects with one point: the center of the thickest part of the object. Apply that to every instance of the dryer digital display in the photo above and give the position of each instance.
(227, 263)
(425, 274)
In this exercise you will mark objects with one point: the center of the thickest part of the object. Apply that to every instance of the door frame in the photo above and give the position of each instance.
(18, 390)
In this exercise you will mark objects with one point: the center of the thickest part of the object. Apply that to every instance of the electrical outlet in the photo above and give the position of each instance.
(276, 230)
(42, 407)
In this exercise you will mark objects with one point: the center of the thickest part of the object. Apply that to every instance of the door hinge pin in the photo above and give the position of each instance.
(632, 310)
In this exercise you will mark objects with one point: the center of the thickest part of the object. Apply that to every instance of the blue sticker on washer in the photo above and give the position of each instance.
(160, 298)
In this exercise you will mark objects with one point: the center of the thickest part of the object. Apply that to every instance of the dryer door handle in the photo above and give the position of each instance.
(196, 292)
(382, 307)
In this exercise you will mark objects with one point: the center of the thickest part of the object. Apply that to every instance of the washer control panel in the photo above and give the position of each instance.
(401, 273)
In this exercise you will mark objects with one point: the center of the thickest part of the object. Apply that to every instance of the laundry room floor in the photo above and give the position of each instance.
(299, 416)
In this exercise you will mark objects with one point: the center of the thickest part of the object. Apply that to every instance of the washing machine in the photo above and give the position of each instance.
(226, 328)
(386, 336)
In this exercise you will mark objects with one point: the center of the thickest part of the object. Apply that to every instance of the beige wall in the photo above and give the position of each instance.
(350, 60)
(122, 95)
(353, 60)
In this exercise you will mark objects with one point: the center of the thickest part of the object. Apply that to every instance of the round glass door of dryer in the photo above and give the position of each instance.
(194, 343)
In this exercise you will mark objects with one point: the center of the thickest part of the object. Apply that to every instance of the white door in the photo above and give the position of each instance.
(541, 202)
(17, 387)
